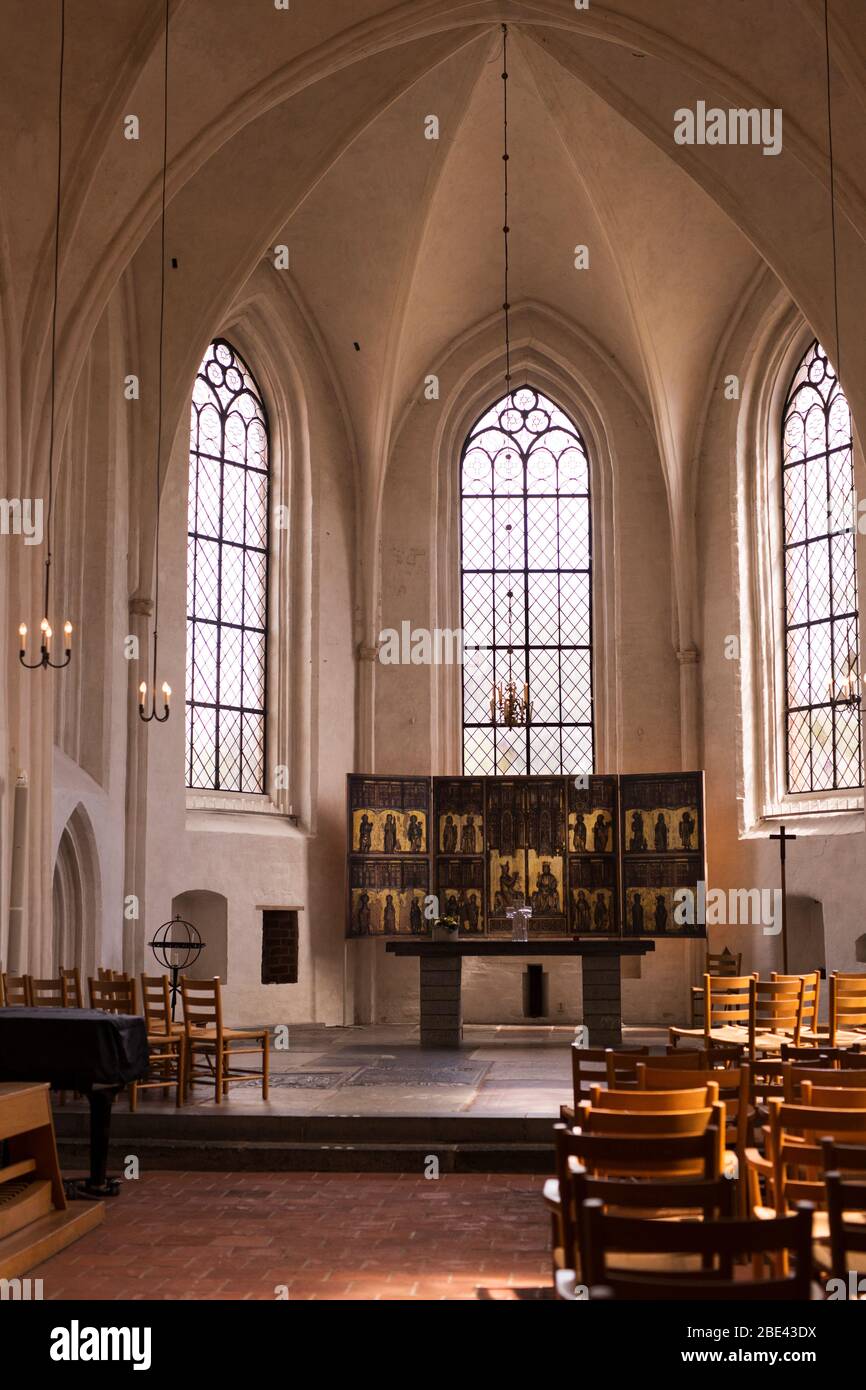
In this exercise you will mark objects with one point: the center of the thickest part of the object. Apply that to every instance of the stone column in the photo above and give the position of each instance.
(602, 1000)
(688, 657)
(441, 1004)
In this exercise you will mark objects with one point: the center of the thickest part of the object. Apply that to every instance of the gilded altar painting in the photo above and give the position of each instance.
(459, 815)
(650, 903)
(506, 850)
(387, 897)
(526, 827)
(460, 889)
(592, 819)
(663, 814)
(388, 815)
(592, 906)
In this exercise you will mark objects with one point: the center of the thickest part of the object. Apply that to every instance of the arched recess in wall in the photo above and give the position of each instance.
(77, 894)
(209, 913)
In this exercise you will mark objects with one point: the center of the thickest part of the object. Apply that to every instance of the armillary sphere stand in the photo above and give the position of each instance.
(176, 945)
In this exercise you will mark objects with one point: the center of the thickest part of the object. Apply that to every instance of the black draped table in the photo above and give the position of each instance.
(440, 965)
(83, 1050)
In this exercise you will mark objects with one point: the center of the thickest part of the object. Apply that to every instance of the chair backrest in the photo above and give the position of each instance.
(71, 978)
(845, 1196)
(819, 1056)
(622, 1069)
(775, 1006)
(202, 1004)
(847, 1003)
(730, 1083)
(589, 1065)
(662, 1157)
(112, 996)
(829, 1078)
(811, 994)
(635, 1102)
(48, 994)
(712, 1198)
(724, 963)
(794, 1147)
(719, 1244)
(726, 1000)
(843, 1158)
(835, 1097)
(16, 990)
(156, 1003)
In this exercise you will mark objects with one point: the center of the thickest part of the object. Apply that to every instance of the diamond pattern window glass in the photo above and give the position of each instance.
(525, 489)
(227, 577)
(821, 642)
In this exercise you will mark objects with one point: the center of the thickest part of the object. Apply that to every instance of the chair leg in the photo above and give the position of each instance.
(218, 1069)
(181, 1079)
(265, 1045)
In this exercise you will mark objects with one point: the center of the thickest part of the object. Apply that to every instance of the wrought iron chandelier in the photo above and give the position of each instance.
(509, 704)
(143, 713)
(847, 693)
(45, 629)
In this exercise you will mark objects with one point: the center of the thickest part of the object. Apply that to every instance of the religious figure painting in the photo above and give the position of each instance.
(460, 889)
(459, 814)
(388, 897)
(592, 815)
(592, 896)
(388, 815)
(653, 900)
(662, 814)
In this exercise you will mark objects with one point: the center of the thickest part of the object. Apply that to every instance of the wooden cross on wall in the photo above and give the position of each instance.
(783, 837)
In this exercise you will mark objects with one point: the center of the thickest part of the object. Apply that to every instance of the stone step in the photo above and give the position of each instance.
(269, 1156)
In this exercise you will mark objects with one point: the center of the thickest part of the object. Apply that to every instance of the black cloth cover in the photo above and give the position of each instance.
(72, 1049)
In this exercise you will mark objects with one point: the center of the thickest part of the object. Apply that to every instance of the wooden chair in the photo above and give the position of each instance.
(590, 1065)
(723, 965)
(732, 1087)
(112, 996)
(166, 1044)
(775, 1014)
(847, 1237)
(843, 1158)
(726, 1011)
(716, 1246)
(48, 994)
(811, 999)
(207, 1038)
(105, 973)
(16, 990)
(798, 1079)
(834, 1097)
(655, 1200)
(793, 1168)
(666, 1157)
(622, 1070)
(847, 1009)
(644, 1102)
(818, 1055)
(72, 987)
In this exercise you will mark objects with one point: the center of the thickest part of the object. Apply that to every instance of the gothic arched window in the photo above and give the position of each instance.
(526, 528)
(227, 577)
(821, 646)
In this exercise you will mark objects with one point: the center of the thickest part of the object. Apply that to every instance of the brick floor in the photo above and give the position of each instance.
(323, 1235)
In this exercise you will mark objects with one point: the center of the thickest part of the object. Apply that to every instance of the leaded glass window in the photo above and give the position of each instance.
(821, 644)
(227, 577)
(525, 492)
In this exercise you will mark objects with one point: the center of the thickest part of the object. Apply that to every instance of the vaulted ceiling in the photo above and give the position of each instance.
(306, 126)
